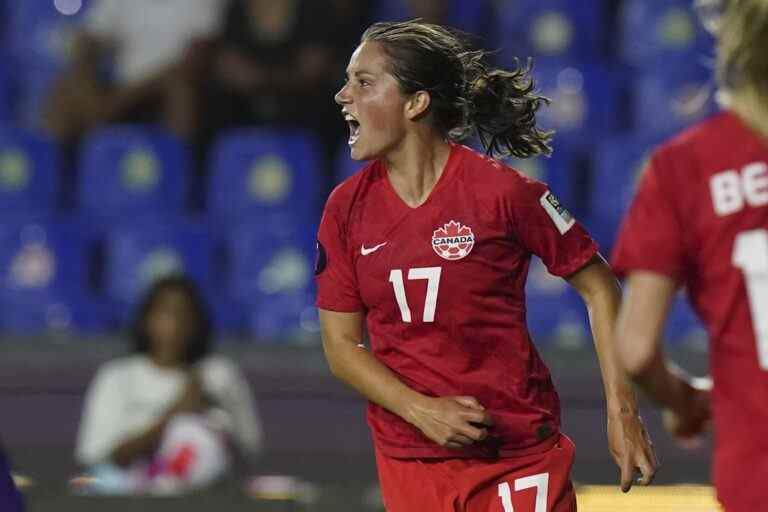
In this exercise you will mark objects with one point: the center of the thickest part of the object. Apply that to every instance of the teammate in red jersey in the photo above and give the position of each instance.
(700, 221)
(429, 245)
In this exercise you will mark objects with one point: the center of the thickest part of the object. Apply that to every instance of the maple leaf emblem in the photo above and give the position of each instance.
(453, 241)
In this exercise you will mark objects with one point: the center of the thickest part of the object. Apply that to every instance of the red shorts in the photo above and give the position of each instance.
(533, 483)
(739, 479)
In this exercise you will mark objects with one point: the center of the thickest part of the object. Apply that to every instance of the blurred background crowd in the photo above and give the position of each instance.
(143, 140)
(148, 137)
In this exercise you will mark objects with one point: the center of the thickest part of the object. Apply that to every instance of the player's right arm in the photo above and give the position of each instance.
(447, 421)
(452, 422)
(654, 260)
(639, 330)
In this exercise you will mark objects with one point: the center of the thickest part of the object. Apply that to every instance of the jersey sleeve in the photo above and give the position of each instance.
(651, 237)
(337, 287)
(547, 229)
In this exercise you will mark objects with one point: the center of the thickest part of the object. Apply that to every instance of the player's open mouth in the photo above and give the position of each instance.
(354, 128)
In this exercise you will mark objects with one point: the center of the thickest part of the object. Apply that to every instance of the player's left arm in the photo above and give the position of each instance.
(628, 440)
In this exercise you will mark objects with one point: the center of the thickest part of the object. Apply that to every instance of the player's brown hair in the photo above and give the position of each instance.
(742, 45)
(468, 97)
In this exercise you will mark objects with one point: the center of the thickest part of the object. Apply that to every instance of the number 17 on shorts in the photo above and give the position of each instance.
(538, 482)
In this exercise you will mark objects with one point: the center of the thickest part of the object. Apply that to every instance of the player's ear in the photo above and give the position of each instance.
(417, 105)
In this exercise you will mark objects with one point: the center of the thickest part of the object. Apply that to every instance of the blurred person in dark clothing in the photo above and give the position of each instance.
(10, 498)
(157, 54)
(276, 64)
(162, 419)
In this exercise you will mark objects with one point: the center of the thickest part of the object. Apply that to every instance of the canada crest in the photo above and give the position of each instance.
(453, 241)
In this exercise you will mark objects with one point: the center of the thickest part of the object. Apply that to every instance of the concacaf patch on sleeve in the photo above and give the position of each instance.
(560, 216)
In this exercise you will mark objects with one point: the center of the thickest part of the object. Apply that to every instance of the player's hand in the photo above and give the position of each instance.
(192, 398)
(688, 424)
(453, 422)
(631, 448)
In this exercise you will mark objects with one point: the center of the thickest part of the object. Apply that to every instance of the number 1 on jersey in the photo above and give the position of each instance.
(432, 275)
(750, 254)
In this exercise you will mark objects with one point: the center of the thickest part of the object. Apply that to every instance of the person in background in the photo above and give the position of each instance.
(156, 53)
(166, 416)
(277, 63)
(699, 222)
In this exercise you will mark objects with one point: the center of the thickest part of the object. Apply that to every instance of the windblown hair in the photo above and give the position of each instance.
(742, 45)
(468, 97)
(199, 343)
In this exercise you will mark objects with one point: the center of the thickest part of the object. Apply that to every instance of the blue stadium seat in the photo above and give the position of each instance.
(56, 313)
(271, 274)
(38, 258)
(555, 32)
(288, 318)
(7, 90)
(660, 34)
(683, 326)
(138, 253)
(669, 100)
(127, 170)
(38, 32)
(618, 163)
(617, 168)
(227, 315)
(39, 38)
(43, 279)
(476, 17)
(554, 312)
(559, 171)
(29, 172)
(585, 102)
(260, 173)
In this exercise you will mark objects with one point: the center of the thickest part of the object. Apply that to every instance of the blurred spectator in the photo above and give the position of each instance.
(279, 64)
(160, 420)
(157, 53)
(10, 498)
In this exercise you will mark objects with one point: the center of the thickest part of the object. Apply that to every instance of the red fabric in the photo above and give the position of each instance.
(674, 228)
(473, 485)
(477, 344)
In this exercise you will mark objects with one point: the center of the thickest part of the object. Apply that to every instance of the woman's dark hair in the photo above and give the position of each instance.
(468, 97)
(199, 343)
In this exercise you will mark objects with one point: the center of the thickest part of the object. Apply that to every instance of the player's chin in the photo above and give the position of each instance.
(358, 152)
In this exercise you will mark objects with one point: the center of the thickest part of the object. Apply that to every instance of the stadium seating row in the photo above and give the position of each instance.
(579, 57)
(618, 88)
(251, 255)
(124, 171)
(128, 171)
(64, 275)
(257, 278)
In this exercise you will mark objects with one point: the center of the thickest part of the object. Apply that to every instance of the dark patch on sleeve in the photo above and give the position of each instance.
(321, 259)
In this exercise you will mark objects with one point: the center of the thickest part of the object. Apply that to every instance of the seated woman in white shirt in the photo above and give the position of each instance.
(167, 417)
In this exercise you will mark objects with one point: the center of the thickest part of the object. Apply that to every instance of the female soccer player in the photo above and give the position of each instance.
(700, 221)
(430, 245)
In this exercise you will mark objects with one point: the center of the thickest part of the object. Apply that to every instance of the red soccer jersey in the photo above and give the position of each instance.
(700, 216)
(442, 286)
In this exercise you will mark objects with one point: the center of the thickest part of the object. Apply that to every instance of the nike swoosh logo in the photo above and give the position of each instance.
(366, 252)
